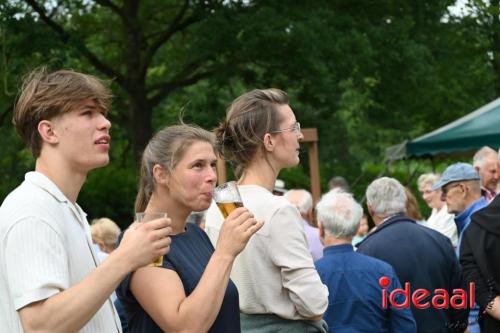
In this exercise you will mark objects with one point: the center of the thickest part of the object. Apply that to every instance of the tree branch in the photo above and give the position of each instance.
(66, 38)
(167, 87)
(111, 5)
(176, 26)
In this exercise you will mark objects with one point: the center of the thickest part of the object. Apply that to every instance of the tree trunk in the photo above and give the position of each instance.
(139, 128)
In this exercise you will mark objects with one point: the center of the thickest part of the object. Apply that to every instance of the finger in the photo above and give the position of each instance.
(163, 232)
(163, 243)
(158, 223)
(243, 217)
(254, 228)
(237, 212)
(248, 223)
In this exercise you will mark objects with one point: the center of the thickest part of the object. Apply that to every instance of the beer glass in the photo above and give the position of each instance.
(145, 217)
(227, 198)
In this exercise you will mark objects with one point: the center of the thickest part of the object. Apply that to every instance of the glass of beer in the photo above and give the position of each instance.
(145, 217)
(227, 198)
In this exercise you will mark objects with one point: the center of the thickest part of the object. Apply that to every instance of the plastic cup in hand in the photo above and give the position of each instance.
(145, 217)
(227, 198)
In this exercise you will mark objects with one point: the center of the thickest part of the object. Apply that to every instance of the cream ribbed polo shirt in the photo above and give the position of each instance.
(45, 247)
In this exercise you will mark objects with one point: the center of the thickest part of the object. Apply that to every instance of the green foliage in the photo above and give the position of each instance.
(365, 74)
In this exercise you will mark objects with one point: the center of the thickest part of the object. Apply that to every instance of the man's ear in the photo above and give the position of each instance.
(160, 174)
(47, 133)
(269, 142)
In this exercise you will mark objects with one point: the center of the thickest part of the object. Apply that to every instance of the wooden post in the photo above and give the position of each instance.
(311, 139)
(221, 171)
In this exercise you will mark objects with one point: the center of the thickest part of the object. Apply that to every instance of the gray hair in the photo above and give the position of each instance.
(305, 203)
(339, 214)
(481, 155)
(386, 196)
(428, 179)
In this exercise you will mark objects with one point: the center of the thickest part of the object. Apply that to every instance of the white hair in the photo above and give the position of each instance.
(427, 179)
(305, 203)
(339, 214)
(481, 155)
(386, 196)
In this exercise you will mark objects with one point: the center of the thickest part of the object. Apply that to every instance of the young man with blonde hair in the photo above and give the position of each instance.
(49, 279)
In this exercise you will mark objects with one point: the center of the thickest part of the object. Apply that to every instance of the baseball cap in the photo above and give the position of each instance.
(456, 172)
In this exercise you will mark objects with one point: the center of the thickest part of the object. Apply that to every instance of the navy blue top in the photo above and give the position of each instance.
(189, 254)
(425, 258)
(355, 299)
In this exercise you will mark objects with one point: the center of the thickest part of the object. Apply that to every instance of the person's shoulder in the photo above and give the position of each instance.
(374, 264)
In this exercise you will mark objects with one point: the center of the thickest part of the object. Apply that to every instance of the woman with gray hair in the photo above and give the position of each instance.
(440, 220)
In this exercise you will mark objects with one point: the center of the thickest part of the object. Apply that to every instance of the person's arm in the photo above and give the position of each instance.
(161, 293)
(289, 251)
(472, 272)
(400, 320)
(70, 309)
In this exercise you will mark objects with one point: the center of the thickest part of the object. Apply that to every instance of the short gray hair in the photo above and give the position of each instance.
(481, 155)
(386, 196)
(305, 203)
(428, 179)
(339, 214)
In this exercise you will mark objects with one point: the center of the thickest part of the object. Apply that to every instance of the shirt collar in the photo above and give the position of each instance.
(40, 180)
(338, 249)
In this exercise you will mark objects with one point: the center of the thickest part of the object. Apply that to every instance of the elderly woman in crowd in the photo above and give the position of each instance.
(440, 220)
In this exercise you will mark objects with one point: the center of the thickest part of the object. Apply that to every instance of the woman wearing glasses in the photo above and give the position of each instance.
(278, 285)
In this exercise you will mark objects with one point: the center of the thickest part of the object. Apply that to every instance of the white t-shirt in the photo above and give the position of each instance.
(275, 272)
(45, 247)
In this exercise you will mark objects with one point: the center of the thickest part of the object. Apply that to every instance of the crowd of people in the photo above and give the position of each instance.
(280, 263)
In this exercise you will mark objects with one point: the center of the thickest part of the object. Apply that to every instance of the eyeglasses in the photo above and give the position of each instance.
(447, 189)
(295, 128)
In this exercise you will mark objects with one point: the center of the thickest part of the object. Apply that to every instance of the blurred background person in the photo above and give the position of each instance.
(339, 182)
(412, 209)
(485, 162)
(197, 218)
(352, 278)
(280, 289)
(191, 291)
(105, 234)
(440, 220)
(420, 256)
(362, 231)
(303, 200)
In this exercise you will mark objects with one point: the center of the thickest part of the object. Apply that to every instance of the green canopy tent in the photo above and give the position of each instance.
(471, 132)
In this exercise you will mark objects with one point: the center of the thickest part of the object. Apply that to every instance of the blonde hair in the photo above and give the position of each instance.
(105, 231)
(166, 148)
(248, 118)
(427, 179)
(44, 96)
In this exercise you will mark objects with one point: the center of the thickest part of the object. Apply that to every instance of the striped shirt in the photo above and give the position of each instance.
(45, 247)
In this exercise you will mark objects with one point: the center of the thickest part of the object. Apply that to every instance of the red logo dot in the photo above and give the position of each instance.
(384, 282)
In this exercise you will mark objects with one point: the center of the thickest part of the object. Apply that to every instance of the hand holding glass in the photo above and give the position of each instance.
(227, 197)
(145, 217)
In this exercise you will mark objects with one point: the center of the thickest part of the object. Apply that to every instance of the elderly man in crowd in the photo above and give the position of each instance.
(440, 220)
(304, 202)
(421, 256)
(485, 162)
(355, 296)
(461, 189)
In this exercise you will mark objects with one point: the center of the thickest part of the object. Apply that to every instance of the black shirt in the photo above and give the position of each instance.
(189, 254)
